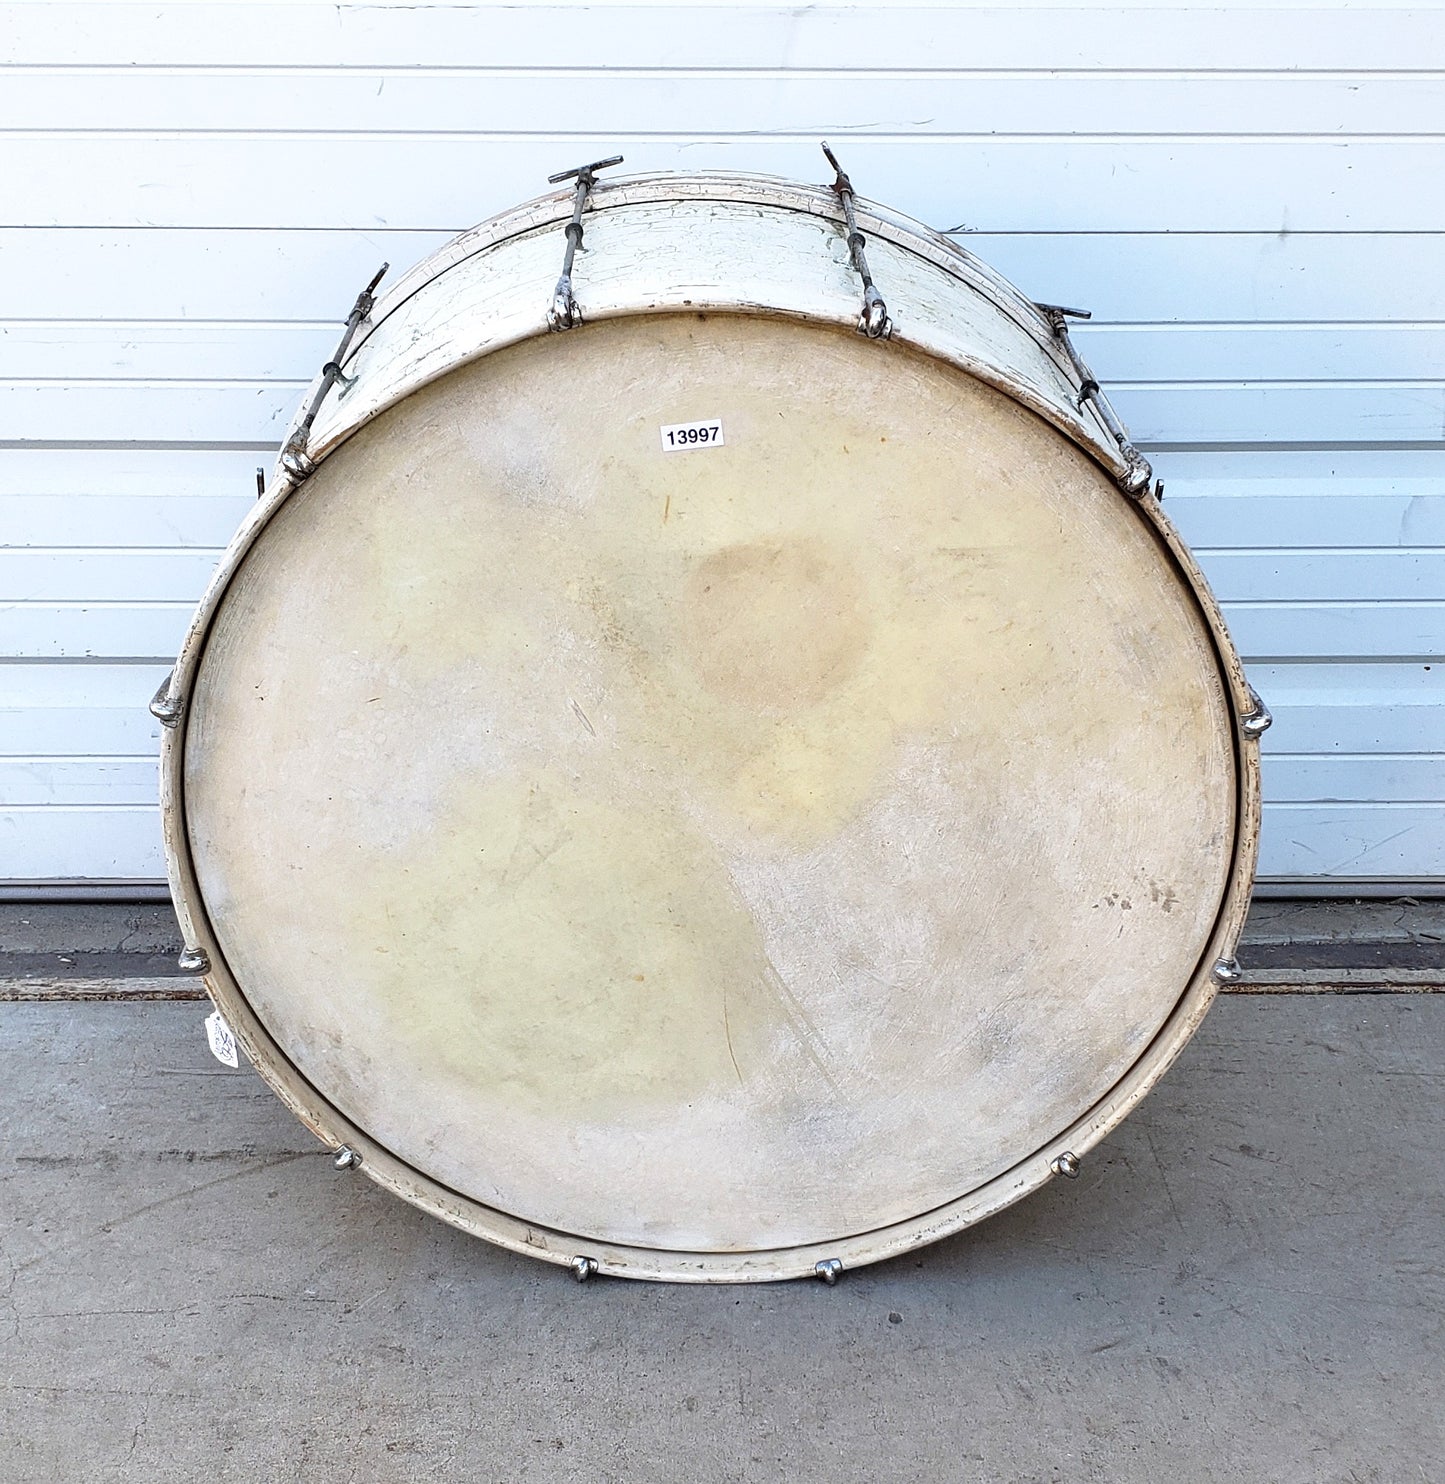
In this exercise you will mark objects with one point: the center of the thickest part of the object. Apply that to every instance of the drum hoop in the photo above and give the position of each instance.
(1081, 424)
(335, 1130)
(724, 186)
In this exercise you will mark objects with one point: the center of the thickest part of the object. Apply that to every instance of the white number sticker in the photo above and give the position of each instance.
(223, 1041)
(706, 434)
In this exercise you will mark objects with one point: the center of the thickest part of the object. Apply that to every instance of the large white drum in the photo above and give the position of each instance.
(690, 788)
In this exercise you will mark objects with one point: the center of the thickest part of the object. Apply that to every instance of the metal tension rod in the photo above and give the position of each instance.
(874, 321)
(1136, 477)
(563, 313)
(294, 459)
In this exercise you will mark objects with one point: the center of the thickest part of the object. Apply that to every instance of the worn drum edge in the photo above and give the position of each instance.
(1081, 422)
(742, 188)
(404, 1180)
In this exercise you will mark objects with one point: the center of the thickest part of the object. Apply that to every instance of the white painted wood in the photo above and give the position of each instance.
(1078, 182)
(177, 350)
(120, 521)
(1352, 353)
(1317, 575)
(106, 574)
(1314, 513)
(148, 412)
(77, 781)
(1281, 38)
(91, 689)
(1366, 713)
(251, 274)
(1395, 778)
(175, 474)
(93, 629)
(1265, 413)
(1340, 628)
(49, 709)
(630, 104)
(255, 414)
(706, 243)
(1221, 276)
(86, 841)
(1352, 840)
(76, 272)
(286, 351)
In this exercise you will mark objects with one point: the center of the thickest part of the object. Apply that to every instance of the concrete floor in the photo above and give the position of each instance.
(1247, 1283)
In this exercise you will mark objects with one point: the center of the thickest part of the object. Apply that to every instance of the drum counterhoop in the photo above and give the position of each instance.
(734, 791)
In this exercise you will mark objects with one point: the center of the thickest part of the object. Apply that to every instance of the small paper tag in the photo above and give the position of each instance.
(704, 434)
(222, 1039)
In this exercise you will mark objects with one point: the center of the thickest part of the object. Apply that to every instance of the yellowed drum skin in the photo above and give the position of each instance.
(711, 862)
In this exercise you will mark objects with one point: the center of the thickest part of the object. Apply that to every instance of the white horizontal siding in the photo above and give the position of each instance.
(287, 351)
(84, 710)
(1019, 184)
(190, 195)
(245, 275)
(625, 104)
(858, 38)
(255, 414)
(47, 843)
(238, 383)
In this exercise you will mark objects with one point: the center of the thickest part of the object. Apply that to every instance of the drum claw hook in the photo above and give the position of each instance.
(1259, 720)
(564, 313)
(1135, 478)
(295, 461)
(873, 321)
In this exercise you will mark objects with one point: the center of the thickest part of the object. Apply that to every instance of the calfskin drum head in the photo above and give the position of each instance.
(718, 850)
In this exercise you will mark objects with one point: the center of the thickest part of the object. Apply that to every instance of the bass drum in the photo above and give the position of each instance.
(710, 794)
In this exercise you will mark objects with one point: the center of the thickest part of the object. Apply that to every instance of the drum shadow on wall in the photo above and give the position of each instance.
(713, 767)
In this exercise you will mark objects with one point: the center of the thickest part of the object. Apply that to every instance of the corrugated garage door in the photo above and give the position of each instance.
(1248, 200)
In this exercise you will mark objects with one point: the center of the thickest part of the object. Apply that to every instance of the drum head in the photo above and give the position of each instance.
(719, 850)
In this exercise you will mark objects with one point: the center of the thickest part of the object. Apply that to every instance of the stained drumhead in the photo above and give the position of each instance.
(721, 850)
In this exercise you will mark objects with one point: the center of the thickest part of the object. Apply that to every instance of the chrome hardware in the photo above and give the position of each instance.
(563, 312)
(1259, 720)
(260, 483)
(345, 1158)
(828, 1270)
(583, 1268)
(1227, 971)
(294, 459)
(874, 321)
(297, 464)
(1137, 473)
(1067, 1165)
(1134, 481)
(165, 707)
(193, 961)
